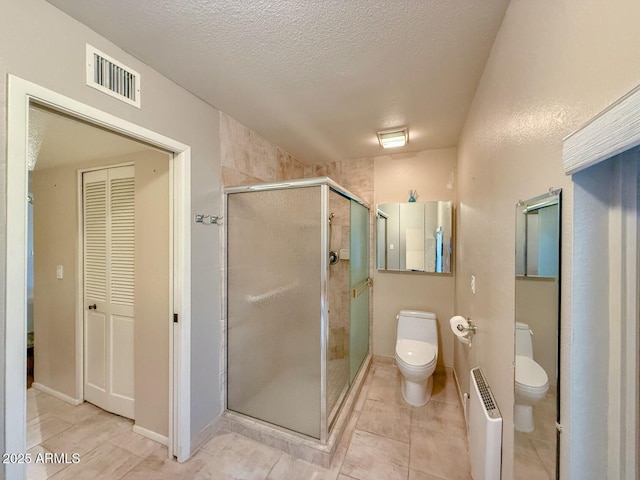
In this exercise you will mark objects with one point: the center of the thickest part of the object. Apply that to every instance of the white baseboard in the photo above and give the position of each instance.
(57, 394)
(156, 437)
(462, 398)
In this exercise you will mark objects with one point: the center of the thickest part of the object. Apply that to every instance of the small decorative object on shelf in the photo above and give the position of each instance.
(413, 194)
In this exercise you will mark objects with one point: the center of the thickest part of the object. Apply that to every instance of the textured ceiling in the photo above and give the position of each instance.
(317, 78)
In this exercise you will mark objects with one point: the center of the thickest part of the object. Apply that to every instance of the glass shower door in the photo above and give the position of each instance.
(359, 286)
(274, 247)
(338, 296)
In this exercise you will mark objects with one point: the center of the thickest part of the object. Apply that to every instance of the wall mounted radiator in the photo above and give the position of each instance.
(485, 430)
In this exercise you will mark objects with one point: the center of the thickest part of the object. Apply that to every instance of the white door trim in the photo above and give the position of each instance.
(612, 220)
(20, 94)
(612, 131)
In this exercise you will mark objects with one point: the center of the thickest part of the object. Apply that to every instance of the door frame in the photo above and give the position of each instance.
(21, 94)
(591, 447)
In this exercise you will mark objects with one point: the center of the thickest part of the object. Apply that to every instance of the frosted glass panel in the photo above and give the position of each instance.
(359, 274)
(338, 288)
(274, 307)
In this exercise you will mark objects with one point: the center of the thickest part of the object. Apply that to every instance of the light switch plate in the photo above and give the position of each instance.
(59, 272)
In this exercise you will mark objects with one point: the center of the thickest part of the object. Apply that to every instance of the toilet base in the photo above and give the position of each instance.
(417, 394)
(523, 418)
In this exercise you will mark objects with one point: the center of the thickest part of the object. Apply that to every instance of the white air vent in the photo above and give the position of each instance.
(111, 77)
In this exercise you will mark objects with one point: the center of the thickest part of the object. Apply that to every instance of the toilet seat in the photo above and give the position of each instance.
(415, 353)
(529, 374)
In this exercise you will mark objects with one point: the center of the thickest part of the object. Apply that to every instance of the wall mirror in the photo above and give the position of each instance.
(537, 334)
(415, 236)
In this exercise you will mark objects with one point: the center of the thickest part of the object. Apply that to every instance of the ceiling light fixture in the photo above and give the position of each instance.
(397, 137)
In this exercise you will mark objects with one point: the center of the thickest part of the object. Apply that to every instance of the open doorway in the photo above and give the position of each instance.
(98, 310)
(22, 96)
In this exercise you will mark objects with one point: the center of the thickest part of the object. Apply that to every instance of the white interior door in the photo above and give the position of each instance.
(109, 263)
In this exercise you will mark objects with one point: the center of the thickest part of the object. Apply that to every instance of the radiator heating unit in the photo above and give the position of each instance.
(485, 429)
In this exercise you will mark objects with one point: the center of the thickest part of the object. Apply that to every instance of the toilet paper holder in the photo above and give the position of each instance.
(471, 327)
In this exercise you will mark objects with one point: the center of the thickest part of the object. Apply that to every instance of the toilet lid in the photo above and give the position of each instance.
(414, 352)
(529, 372)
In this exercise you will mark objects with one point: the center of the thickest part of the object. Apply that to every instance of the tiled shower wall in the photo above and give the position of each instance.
(354, 175)
(248, 158)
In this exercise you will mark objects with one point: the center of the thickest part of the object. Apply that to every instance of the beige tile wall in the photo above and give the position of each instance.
(354, 175)
(249, 158)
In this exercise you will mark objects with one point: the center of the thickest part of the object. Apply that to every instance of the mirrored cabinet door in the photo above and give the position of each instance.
(415, 236)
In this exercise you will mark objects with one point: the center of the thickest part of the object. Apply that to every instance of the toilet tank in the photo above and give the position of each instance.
(417, 325)
(524, 345)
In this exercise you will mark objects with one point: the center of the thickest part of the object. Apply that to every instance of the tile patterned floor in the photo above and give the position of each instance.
(385, 439)
(535, 452)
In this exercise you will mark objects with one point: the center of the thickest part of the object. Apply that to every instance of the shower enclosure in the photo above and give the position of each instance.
(297, 301)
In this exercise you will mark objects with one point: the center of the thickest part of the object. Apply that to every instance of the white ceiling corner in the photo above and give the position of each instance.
(318, 79)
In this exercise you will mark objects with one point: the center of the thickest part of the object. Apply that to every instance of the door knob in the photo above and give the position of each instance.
(93, 307)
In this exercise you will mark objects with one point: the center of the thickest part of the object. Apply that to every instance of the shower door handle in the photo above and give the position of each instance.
(356, 292)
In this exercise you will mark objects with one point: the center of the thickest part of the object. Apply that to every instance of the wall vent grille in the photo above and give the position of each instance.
(485, 394)
(485, 429)
(111, 77)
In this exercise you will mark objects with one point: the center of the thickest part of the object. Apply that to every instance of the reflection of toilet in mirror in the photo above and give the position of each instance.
(532, 381)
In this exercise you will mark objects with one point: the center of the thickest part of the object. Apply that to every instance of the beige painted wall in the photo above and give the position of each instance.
(32, 48)
(553, 66)
(152, 316)
(432, 173)
(56, 243)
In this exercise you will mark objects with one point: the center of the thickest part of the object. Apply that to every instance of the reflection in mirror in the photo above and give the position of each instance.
(381, 235)
(537, 331)
(415, 236)
(537, 238)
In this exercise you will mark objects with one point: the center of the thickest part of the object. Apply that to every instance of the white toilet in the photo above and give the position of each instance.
(532, 381)
(416, 354)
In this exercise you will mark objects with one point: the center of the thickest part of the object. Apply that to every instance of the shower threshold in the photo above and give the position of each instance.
(295, 444)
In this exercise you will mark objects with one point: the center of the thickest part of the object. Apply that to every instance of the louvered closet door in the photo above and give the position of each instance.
(109, 243)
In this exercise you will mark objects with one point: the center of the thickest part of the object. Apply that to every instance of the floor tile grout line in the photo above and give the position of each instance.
(274, 465)
(411, 427)
(354, 429)
(134, 466)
